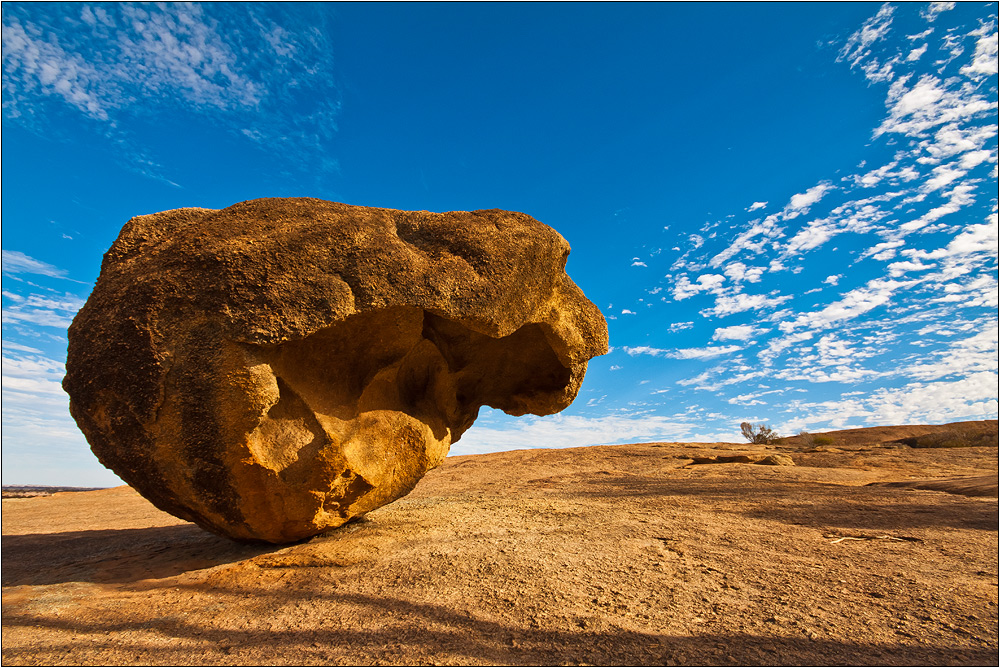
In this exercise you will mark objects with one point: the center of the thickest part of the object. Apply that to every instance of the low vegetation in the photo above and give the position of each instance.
(815, 439)
(760, 434)
(955, 438)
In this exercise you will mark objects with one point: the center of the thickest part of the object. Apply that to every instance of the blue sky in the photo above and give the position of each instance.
(788, 213)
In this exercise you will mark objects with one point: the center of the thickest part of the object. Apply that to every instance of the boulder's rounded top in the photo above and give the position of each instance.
(314, 262)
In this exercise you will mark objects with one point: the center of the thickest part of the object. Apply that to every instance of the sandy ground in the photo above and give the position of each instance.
(620, 555)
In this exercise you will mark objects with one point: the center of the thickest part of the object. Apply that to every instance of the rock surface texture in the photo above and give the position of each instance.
(273, 369)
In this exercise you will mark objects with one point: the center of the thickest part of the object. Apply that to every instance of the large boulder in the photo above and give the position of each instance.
(273, 369)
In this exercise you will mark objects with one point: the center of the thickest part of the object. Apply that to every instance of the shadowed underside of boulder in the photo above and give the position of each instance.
(273, 369)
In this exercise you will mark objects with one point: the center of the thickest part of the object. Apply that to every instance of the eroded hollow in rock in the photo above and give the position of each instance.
(352, 416)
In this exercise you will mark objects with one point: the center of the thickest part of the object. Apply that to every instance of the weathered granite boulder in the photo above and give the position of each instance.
(273, 369)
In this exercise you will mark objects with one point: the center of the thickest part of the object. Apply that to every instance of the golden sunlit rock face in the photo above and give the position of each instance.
(273, 369)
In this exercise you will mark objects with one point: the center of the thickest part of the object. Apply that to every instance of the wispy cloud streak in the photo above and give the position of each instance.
(16, 262)
(904, 242)
(267, 79)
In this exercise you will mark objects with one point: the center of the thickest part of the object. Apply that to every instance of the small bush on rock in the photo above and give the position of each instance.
(758, 435)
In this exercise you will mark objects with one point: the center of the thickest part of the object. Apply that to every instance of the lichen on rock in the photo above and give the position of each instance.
(273, 369)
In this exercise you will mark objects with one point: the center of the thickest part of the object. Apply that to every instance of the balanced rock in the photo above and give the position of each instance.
(273, 369)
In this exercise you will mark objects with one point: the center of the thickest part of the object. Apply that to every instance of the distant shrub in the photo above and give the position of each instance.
(952, 439)
(822, 440)
(758, 435)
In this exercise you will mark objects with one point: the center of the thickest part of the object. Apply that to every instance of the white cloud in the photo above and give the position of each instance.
(777, 346)
(33, 397)
(38, 317)
(927, 104)
(752, 398)
(39, 436)
(813, 235)
(859, 301)
(728, 304)
(942, 175)
(684, 288)
(682, 353)
(738, 272)
(835, 351)
(703, 353)
(964, 357)
(916, 53)
(857, 217)
(970, 398)
(45, 311)
(17, 347)
(747, 241)
(979, 238)
(830, 359)
(16, 262)
(935, 8)
(897, 269)
(833, 280)
(645, 350)
(737, 333)
(273, 84)
(984, 61)
(974, 242)
(167, 48)
(876, 176)
(756, 205)
(974, 158)
(920, 35)
(718, 377)
(36, 374)
(885, 250)
(802, 202)
(43, 65)
(568, 431)
(960, 196)
(953, 139)
(858, 45)
(184, 51)
(977, 292)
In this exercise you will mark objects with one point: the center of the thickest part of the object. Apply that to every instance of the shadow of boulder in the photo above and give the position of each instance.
(117, 555)
(965, 485)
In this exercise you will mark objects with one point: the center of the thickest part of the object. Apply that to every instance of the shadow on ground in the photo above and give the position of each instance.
(444, 634)
(117, 555)
(803, 503)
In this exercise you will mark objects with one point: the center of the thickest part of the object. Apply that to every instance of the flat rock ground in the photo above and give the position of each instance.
(619, 555)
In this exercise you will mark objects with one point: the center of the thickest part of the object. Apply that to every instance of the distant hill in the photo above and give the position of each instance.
(25, 491)
(953, 434)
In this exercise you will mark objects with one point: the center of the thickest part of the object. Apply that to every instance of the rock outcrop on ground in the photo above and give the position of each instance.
(610, 555)
(273, 369)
